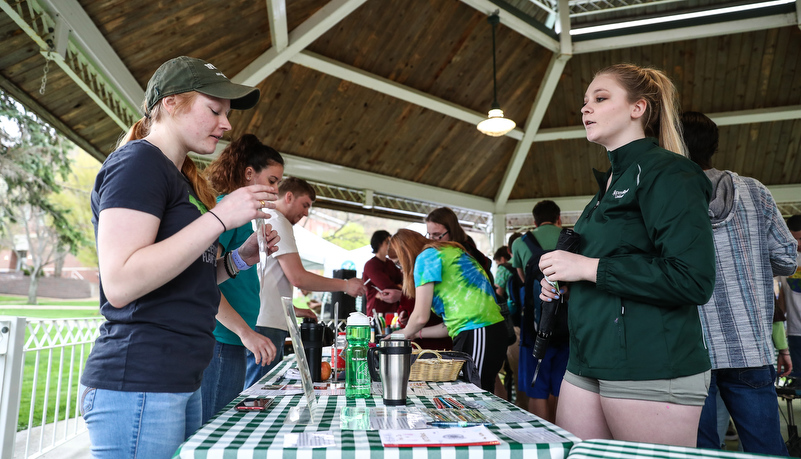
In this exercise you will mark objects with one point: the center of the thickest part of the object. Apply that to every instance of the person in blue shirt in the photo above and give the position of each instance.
(156, 227)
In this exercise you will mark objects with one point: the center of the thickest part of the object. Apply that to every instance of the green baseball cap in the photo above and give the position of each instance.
(184, 74)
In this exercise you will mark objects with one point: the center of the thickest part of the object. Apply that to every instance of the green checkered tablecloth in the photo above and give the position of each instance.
(594, 449)
(234, 434)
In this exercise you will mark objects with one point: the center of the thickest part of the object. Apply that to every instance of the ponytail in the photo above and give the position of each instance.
(139, 130)
(227, 172)
(669, 129)
(199, 183)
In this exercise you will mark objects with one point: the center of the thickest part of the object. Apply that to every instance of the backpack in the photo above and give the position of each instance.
(532, 304)
(515, 289)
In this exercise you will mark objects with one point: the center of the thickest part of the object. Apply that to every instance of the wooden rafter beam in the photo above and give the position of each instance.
(279, 34)
(97, 49)
(544, 95)
(686, 33)
(301, 37)
(515, 23)
(390, 88)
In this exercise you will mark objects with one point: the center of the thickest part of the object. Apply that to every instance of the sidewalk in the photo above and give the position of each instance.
(75, 448)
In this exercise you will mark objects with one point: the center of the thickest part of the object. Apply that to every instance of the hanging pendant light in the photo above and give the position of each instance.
(495, 125)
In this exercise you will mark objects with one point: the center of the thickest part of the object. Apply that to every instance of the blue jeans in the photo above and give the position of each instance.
(138, 425)
(750, 396)
(223, 379)
(254, 371)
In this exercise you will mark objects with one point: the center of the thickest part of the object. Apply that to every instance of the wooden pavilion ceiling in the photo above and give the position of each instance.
(382, 96)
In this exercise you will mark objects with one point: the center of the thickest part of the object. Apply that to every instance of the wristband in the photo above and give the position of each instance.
(229, 266)
(784, 352)
(225, 229)
(420, 334)
(240, 264)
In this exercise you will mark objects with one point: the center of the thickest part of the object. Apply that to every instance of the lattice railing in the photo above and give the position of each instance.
(55, 353)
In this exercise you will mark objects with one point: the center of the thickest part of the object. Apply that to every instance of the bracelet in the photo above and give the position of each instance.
(420, 334)
(784, 352)
(240, 264)
(218, 219)
(229, 268)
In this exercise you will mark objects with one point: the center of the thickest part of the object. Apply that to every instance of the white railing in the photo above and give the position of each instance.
(54, 355)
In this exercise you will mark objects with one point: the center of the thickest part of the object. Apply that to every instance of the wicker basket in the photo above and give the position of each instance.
(437, 369)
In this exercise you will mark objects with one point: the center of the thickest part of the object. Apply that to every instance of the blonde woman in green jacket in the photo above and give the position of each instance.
(638, 367)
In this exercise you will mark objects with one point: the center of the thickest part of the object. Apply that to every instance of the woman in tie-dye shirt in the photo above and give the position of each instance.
(442, 277)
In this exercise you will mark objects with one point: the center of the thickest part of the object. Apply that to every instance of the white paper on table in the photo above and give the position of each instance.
(310, 440)
(463, 388)
(398, 418)
(438, 437)
(270, 390)
(292, 373)
(533, 435)
(505, 417)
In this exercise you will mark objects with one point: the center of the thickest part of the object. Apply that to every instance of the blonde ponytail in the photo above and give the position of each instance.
(670, 135)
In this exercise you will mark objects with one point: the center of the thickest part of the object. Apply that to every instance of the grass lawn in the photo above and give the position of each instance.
(19, 299)
(54, 356)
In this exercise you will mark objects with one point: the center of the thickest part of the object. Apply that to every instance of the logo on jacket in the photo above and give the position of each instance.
(620, 193)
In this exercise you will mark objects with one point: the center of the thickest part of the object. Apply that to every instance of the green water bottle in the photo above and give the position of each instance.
(357, 373)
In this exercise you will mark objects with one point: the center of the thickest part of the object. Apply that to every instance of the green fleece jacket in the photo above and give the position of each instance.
(652, 234)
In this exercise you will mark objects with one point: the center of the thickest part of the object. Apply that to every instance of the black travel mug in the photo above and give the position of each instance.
(311, 333)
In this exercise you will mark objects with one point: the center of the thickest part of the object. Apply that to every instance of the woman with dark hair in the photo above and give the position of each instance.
(443, 278)
(638, 368)
(442, 224)
(244, 162)
(156, 227)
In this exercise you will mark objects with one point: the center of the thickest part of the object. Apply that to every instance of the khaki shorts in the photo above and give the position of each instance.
(687, 390)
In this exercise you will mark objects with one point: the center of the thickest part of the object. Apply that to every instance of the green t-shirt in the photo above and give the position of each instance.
(547, 235)
(502, 276)
(463, 295)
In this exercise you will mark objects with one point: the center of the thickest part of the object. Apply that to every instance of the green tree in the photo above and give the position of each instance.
(349, 236)
(75, 194)
(33, 156)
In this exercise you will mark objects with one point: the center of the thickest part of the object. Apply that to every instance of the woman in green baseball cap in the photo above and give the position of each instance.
(156, 237)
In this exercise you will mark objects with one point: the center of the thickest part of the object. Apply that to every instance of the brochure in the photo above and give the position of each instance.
(462, 436)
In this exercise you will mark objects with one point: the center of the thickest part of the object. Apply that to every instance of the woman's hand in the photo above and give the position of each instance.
(569, 267)
(249, 250)
(245, 204)
(262, 348)
(548, 292)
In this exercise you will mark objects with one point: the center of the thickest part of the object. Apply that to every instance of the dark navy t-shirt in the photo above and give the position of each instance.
(163, 341)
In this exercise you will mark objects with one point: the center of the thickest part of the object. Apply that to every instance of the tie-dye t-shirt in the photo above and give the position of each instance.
(463, 295)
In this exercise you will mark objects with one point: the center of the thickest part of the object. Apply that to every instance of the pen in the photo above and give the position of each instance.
(445, 402)
(455, 404)
(456, 424)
